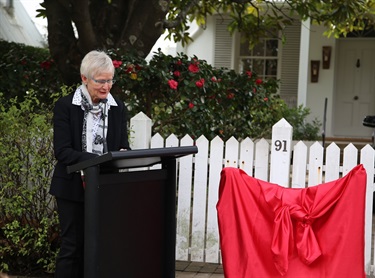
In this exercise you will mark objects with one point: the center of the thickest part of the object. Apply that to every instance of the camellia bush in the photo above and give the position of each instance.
(24, 68)
(186, 95)
(182, 95)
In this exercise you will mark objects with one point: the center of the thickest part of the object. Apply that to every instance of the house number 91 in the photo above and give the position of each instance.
(280, 145)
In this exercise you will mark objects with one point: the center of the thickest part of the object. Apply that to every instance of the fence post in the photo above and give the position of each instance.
(140, 131)
(367, 160)
(282, 133)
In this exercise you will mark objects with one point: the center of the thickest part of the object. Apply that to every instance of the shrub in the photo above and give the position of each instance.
(28, 220)
(302, 130)
(182, 95)
(24, 68)
(185, 95)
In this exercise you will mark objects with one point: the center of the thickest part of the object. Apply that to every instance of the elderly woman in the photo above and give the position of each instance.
(87, 123)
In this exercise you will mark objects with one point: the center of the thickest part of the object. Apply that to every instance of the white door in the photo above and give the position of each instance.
(355, 87)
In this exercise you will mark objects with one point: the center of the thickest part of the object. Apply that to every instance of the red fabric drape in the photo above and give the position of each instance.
(270, 231)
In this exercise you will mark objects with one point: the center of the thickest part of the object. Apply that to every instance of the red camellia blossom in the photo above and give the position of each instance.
(172, 84)
(179, 63)
(249, 73)
(177, 73)
(200, 83)
(213, 79)
(116, 63)
(45, 65)
(129, 70)
(191, 105)
(265, 99)
(193, 68)
(258, 81)
(230, 96)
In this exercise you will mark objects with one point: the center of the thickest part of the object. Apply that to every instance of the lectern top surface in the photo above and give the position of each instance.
(141, 155)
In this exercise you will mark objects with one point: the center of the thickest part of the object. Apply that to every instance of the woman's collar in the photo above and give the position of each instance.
(77, 98)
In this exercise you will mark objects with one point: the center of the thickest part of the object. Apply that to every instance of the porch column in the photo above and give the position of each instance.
(303, 75)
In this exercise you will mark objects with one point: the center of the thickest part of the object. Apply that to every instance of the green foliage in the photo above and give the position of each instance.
(302, 130)
(207, 101)
(185, 95)
(25, 68)
(28, 219)
(255, 19)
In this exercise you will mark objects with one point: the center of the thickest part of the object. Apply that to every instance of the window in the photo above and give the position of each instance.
(262, 59)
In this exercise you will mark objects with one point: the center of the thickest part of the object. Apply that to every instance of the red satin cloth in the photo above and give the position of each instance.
(270, 231)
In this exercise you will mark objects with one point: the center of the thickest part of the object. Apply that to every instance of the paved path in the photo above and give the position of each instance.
(198, 270)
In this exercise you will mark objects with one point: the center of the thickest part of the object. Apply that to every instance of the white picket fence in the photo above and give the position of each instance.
(281, 161)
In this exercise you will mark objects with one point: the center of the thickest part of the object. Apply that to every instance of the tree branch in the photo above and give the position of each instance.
(167, 24)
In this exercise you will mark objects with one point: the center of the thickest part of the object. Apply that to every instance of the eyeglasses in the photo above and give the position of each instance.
(102, 81)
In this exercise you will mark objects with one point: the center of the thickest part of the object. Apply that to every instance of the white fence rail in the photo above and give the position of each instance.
(281, 161)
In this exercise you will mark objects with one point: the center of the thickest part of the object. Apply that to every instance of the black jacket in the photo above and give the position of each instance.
(68, 124)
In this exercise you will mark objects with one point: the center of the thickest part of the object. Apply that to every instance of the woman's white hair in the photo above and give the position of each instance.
(96, 62)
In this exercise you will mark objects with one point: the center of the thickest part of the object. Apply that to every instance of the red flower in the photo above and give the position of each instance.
(191, 105)
(179, 63)
(258, 81)
(116, 63)
(265, 99)
(129, 68)
(193, 68)
(45, 65)
(230, 96)
(249, 73)
(176, 73)
(200, 83)
(173, 84)
(213, 79)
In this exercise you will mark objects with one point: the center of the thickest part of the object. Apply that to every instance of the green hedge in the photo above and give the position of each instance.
(26, 68)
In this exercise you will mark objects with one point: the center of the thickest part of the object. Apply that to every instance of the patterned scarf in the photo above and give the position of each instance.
(93, 120)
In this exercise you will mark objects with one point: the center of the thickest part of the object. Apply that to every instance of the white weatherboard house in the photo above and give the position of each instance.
(17, 26)
(347, 82)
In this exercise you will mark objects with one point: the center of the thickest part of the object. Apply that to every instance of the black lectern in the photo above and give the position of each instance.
(130, 218)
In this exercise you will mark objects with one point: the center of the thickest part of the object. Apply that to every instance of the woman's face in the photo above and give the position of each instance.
(98, 86)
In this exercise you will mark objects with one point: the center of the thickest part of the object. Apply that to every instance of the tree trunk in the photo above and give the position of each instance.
(77, 26)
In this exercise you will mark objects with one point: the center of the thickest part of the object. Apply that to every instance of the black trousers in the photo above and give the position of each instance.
(69, 263)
